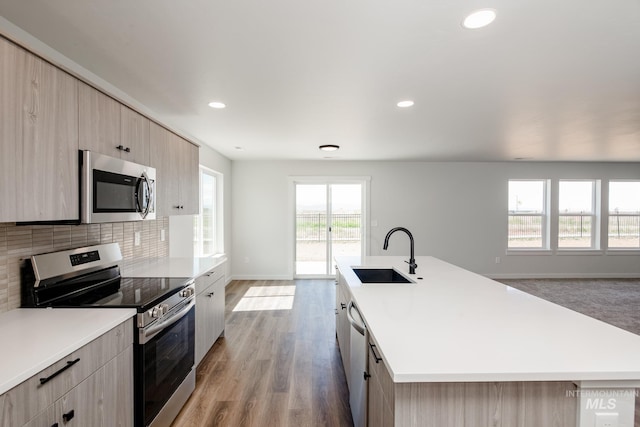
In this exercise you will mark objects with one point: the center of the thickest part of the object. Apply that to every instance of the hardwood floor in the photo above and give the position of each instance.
(278, 363)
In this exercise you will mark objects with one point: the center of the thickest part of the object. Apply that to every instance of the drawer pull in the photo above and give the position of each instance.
(68, 416)
(343, 305)
(377, 358)
(211, 274)
(70, 363)
(211, 294)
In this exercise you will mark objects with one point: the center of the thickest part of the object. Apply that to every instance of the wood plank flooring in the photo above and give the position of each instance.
(278, 363)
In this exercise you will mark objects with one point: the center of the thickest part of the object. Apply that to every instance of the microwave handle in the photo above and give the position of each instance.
(144, 180)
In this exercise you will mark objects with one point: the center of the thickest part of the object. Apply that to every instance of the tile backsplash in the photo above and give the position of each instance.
(18, 242)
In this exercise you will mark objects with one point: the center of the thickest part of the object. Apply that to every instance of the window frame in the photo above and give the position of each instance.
(595, 216)
(619, 249)
(216, 238)
(544, 219)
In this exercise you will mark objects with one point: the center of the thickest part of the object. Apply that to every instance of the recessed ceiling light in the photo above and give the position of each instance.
(405, 104)
(479, 18)
(329, 147)
(217, 104)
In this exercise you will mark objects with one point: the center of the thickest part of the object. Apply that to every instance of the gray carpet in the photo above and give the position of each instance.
(614, 301)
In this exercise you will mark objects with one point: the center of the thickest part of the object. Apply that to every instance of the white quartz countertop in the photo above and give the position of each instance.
(35, 338)
(171, 266)
(456, 326)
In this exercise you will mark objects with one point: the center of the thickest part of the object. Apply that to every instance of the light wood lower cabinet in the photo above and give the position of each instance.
(343, 327)
(90, 387)
(517, 404)
(209, 310)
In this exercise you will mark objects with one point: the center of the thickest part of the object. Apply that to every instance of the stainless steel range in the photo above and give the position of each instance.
(165, 325)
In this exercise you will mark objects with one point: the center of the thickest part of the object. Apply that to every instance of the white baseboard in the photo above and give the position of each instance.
(261, 277)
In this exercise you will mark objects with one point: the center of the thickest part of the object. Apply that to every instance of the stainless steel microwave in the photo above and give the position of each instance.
(114, 190)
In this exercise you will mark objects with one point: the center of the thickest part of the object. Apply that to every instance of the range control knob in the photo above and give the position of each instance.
(156, 312)
(164, 308)
(186, 293)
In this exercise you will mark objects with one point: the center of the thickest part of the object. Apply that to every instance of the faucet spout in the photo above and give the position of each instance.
(412, 259)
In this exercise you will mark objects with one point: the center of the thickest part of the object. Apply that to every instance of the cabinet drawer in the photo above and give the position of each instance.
(208, 278)
(34, 395)
(379, 370)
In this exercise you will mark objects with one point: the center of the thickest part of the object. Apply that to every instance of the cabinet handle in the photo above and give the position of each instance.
(211, 274)
(68, 416)
(366, 375)
(54, 425)
(343, 305)
(179, 207)
(70, 363)
(123, 148)
(210, 295)
(377, 358)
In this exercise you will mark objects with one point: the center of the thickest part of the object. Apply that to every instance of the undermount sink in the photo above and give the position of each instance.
(380, 275)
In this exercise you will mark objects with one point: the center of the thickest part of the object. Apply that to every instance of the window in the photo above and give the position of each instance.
(528, 214)
(577, 225)
(206, 223)
(624, 214)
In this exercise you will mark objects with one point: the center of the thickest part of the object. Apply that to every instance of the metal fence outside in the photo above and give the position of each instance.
(313, 226)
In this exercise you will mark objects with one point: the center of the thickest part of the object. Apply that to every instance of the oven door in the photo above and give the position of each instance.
(164, 358)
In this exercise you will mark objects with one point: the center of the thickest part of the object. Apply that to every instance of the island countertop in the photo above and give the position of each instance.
(457, 326)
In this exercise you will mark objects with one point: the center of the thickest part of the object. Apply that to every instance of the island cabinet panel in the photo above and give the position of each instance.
(209, 310)
(517, 404)
(343, 327)
(77, 383)
(134, 136)
(177, 163)
(39, 131)
(100, 121)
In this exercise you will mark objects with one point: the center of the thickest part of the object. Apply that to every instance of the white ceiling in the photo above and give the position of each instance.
(548, 80)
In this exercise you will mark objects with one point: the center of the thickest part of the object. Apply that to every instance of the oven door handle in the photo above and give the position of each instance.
(148, 334)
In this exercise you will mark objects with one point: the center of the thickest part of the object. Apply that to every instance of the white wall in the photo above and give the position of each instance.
(456, 212)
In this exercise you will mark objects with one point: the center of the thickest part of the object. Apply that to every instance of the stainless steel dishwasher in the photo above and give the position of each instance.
(357, 367)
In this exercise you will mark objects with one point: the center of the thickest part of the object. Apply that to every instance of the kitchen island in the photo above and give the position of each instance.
(458, 349)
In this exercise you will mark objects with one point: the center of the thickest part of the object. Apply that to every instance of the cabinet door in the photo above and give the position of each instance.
(82, 406)
(209, 318)
(49, 110)
(118, 390)
(189, 177)
(134, 135)
(162, 157)
(343, 327)
(99, 126)
(10, 131)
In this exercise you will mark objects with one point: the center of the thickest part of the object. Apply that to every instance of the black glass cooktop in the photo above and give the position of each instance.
(142, 293)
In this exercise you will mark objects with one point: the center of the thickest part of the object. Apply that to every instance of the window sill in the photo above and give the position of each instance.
(528, 251)
(628, 252)
(586, 251)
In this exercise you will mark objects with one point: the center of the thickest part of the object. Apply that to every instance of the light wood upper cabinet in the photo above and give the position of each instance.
(99, 121)
(177, 163)
(134, 136)
(39, 122)
(10, 131)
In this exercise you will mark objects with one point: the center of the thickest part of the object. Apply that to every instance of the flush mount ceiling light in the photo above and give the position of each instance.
(329, 147)
(217, 104)
(405, 104)
(479, 18)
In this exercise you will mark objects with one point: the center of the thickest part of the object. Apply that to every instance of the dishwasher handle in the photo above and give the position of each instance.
(352, 320)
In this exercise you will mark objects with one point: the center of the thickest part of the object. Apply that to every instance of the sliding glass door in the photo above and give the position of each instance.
(328, 221)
